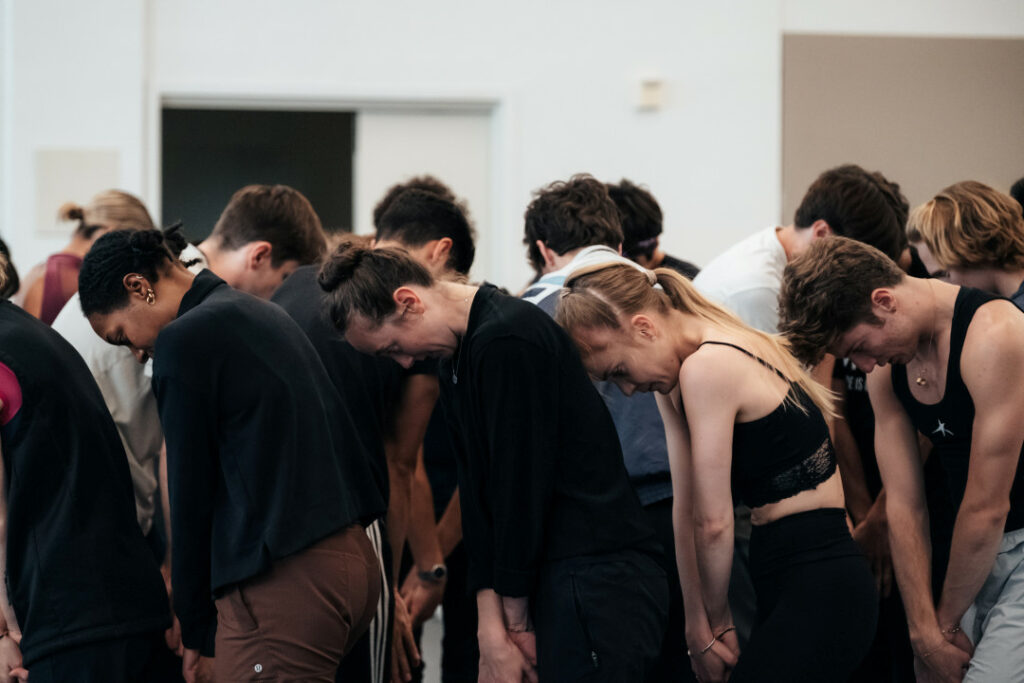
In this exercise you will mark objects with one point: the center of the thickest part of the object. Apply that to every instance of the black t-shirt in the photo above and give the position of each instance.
(78, 568)
(369, 387)
(263, 458)
(541, 475)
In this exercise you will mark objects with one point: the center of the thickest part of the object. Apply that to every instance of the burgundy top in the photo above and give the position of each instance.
(56, 289)
(10, 395)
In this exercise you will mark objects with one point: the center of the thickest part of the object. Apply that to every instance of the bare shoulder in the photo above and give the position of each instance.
(996, 331)
(994, 345)
(713, 368)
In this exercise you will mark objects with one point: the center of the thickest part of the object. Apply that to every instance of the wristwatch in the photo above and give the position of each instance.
(435, 574)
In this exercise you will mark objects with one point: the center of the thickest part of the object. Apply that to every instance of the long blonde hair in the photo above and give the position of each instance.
(602, 295)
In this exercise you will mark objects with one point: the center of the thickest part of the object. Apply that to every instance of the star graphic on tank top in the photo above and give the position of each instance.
(941, 429)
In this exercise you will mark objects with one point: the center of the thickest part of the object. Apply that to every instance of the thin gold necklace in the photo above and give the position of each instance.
(921, 380)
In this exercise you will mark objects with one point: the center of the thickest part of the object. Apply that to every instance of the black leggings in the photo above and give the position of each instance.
(816, 601)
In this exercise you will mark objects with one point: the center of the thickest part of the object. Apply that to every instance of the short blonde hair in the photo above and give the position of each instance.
(111, 210)
(970, 225)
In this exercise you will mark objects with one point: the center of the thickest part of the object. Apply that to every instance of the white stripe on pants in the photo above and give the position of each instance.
(379, 627)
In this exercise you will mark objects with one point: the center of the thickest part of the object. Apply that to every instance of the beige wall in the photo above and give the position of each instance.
(927, 112)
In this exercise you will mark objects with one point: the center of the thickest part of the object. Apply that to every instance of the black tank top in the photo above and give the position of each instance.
(783, 453)
(948, 423)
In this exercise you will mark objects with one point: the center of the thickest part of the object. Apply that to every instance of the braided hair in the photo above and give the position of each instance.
(118, 253)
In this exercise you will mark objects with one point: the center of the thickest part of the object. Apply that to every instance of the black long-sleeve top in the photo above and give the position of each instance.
(541, 474)
(78, 569)
(369, 387)
(262, 458)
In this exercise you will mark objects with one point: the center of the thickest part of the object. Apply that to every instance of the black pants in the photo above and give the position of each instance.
(600, 618)
(816, 598)
(123, 660)
(890, 659)
(673, 666)
(460, 650)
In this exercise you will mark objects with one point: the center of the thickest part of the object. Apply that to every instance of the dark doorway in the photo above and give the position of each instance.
(208, 154)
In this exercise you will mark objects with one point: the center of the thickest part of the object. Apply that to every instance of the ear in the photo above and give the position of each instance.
(137, 285)
(408, 301)
(644, 326)
(547, 254)
(820, 228)
(257, 254)
(884, 300)
(440, 250)
(619, 249)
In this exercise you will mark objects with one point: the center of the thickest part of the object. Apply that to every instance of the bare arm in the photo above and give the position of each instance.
(992, 367)
(501, 659)
(710, 407)
(422, 536)
(422, 596)
(165, 507)
(449, 529)
(677, 438)
(401, 448)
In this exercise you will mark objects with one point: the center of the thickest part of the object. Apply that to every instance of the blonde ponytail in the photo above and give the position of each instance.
(599, 295)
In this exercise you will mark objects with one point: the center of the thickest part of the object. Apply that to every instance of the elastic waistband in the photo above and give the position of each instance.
(801, 537)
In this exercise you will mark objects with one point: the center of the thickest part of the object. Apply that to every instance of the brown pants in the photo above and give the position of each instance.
(297, 621)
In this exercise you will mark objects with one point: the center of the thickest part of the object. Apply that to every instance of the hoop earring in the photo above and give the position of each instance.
(150, 297)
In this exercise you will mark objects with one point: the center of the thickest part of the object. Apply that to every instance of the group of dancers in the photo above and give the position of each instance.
(641, 471)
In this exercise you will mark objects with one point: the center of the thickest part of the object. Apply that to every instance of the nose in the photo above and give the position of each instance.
(864, 363)
(140, 355)
(628, 388)
(404, 360)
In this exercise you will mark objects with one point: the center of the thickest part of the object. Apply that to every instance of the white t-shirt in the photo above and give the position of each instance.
(125, 385)
(746, 278)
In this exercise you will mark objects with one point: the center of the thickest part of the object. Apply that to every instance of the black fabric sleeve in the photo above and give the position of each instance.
(188, 417)
(519, 410)
(478, 540)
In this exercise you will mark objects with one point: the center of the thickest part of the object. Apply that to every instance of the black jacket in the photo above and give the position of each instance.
(541, 476)
(262, 458)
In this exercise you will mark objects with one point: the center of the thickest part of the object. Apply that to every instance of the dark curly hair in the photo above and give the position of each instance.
(640, 216)
(858, 204)
(360, 280)
(427, 183)
(416, 217)
(118, 253)
(826, 291)
(570, 215)
(9, 281)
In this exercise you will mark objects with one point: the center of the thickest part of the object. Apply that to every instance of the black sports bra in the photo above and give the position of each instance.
(783, 453)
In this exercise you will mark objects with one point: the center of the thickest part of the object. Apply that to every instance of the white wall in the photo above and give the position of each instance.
(75, 80)
(562, 76)
(454, 146)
